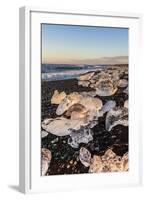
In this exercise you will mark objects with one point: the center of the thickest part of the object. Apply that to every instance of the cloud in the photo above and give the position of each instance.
(105, 60)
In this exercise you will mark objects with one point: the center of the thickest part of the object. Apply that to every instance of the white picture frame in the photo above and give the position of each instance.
(30, 179)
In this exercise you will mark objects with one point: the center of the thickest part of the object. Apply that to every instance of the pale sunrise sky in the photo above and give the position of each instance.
(67, 44)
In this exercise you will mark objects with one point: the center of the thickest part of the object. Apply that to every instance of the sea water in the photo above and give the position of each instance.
(54, 72)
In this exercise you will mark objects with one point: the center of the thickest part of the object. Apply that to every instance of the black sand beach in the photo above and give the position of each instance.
(64, 157)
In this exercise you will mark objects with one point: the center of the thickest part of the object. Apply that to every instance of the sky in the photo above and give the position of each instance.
(68, 44)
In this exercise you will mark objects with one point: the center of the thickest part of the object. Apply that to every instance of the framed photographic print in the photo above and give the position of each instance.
(79, 105)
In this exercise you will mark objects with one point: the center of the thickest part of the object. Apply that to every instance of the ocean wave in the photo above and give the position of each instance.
(67, 74)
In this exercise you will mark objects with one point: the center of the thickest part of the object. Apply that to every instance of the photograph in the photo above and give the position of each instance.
(84, 99)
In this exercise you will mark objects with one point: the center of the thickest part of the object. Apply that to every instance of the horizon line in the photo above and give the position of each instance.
(83, 64)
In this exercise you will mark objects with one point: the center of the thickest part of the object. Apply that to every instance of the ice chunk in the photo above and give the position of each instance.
(45, 159)
(85, 156)
(84, 135)
(116, 116)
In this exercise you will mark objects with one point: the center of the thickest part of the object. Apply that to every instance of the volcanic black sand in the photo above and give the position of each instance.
(64, 157)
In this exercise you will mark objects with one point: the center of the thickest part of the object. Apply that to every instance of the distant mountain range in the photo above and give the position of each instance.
(105, 60)
(115, 60)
